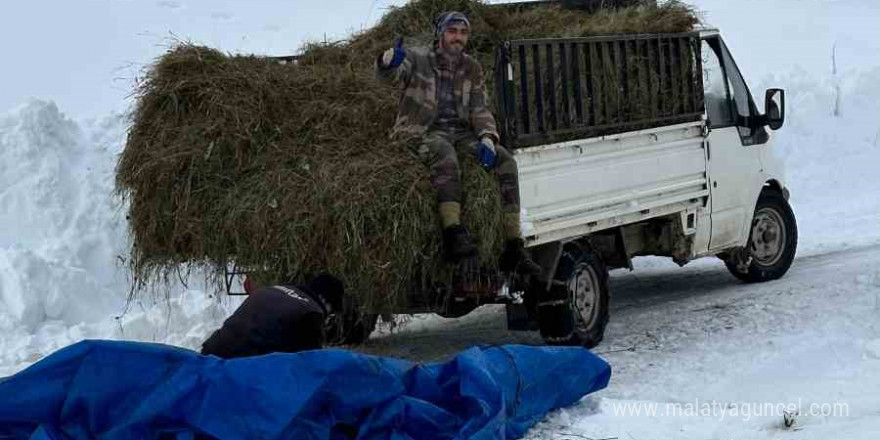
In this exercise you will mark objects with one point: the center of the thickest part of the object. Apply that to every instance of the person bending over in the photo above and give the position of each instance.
(281, 318)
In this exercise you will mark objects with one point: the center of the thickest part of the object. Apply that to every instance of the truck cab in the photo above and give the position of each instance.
(744, 161)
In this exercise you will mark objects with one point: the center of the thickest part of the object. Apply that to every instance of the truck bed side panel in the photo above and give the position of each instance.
(573, 188)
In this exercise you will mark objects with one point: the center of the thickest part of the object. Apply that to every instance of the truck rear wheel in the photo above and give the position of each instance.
(772, 241)
(575, 309)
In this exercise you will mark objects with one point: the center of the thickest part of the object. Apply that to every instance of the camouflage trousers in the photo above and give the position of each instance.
(437, 150)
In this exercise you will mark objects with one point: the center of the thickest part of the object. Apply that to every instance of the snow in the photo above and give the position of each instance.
(62, 240)
(677, 335)
(699, 335)
(835, 181)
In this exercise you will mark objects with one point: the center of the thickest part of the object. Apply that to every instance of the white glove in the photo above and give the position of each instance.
(489, 142)
(387, 57)
(394, 56)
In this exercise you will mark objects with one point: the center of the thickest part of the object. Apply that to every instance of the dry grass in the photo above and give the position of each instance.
(288, 169)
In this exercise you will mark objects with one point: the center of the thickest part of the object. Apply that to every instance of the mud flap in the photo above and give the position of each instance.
(518, 318)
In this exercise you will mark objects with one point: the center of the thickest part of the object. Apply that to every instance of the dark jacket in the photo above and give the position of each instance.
(272, 319)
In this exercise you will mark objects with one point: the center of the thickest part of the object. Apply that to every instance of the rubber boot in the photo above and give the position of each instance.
(458, 244)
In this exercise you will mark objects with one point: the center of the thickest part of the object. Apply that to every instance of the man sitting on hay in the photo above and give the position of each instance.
(443, 107)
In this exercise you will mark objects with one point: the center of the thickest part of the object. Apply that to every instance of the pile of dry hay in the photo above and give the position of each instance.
(288, 170)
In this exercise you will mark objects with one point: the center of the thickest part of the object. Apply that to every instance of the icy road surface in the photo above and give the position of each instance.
(697, 335)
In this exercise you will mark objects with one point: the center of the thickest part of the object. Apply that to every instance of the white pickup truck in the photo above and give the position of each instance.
(708, 186)
(626, 146)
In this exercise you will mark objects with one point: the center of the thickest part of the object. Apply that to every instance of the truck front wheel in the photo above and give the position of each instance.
(575, 309)
(772, 241)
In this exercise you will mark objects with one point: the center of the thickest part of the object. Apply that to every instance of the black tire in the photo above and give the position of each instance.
(772, 241)
(351, 328)
(575, 309)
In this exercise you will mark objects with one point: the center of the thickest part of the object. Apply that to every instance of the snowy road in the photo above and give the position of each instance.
(680, 334)
(659, 307)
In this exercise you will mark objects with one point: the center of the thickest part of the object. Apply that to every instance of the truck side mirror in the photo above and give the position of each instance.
(774, 108)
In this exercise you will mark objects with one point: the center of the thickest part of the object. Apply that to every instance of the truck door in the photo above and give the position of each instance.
(734, 161)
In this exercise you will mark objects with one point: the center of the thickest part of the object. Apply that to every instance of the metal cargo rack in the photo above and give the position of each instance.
(559, 89)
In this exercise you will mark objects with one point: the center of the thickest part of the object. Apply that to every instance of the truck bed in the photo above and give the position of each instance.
(573, 188)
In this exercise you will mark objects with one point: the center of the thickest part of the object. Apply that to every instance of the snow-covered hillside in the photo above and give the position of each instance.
(676, 334)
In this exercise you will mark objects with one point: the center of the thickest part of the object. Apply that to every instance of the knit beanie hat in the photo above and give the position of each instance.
(447, 18)
(330, 289)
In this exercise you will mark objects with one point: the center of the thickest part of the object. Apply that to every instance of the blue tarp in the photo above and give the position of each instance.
(127, 390)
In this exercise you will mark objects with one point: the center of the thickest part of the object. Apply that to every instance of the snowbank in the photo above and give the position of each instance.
(831, 144)
(61, 238)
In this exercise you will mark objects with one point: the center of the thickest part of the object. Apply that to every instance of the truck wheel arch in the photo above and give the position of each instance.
(776, 185)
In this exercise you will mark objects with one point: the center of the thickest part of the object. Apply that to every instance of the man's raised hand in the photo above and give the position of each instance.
(394, 56)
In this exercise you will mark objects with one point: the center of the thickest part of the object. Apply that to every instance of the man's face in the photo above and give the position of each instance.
(455, 37)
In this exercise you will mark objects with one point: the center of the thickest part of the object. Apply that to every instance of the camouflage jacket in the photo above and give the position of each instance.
(417, 110)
